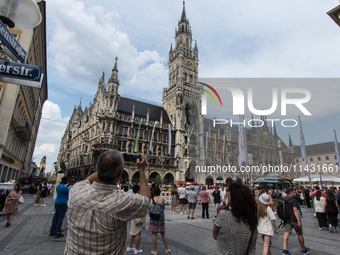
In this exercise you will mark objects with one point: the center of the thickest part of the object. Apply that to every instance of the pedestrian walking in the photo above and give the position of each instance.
(60, 208)
(319, 203)
(12, 203)
(158, 225)
(298, 199)
(174, 195)
(307, 197)
(137, 225)
(98, 213)
(337, 196)
(43, 194)
(293, 222)
(205, 199)
(238, 223)
(37, 194)
(331, 209)
(217, 199)
(182, 193)
(192, 197)
(266, 221)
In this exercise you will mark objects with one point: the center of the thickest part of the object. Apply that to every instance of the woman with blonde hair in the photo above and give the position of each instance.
(137, 225)
(11, 203)
(266, 220)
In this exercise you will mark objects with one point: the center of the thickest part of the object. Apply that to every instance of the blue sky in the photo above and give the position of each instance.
(235, 39)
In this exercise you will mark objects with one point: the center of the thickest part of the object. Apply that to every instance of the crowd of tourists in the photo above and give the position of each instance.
(98, 212)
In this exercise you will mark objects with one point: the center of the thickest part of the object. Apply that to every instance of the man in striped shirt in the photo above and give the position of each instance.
(98, 213)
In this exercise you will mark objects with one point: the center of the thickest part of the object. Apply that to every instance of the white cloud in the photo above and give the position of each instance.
(52, 127)
(86, 40)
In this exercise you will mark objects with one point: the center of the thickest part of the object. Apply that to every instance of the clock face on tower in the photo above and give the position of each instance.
(189, 63)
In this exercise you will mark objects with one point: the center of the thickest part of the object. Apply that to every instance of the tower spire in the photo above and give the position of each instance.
(115, 67)
(183, 17)
(290, 141)
(114, 75)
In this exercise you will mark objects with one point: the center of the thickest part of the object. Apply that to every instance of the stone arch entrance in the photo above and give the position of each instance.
(188, 176)
(169, 178)
(219, 180)
(135, 177)
(209, 180)
(125, 177)
(152, 176)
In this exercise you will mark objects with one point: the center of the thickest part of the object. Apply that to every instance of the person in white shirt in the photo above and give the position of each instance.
(182, 193)
(266, 221)
(223, 192)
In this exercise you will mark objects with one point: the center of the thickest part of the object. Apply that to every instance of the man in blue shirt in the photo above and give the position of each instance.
(60, 208)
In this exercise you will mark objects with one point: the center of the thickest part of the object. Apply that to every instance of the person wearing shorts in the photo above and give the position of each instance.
(37, 194)
(293, 222)
(217, 199)
(192, 197)
(182, 193)
(43, 193)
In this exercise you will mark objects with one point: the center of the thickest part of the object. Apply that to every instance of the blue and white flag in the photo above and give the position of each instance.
(153, 130)
(169, 139)
(206, 145)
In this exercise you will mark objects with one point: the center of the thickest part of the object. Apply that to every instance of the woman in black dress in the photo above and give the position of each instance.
(331, 208)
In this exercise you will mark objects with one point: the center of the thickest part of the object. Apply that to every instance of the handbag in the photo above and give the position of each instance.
(4, 209)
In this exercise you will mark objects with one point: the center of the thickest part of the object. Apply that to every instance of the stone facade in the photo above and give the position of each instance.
(112, 121)
(21, 106)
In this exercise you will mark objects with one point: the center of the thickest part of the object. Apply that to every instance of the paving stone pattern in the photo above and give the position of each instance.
(29, 231)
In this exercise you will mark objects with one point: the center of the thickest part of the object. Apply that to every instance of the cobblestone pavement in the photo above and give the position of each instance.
(29, 231)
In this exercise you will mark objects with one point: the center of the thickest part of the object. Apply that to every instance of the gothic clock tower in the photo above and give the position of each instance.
(181, 91)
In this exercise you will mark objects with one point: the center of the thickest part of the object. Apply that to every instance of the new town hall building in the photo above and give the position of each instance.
(112, 121)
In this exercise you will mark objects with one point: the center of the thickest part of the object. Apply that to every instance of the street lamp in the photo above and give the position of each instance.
(20, 14)
(335, 14)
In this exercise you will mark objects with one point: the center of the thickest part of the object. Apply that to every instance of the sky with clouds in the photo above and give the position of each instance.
(242, 39)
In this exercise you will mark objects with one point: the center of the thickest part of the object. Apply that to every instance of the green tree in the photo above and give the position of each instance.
(158, 180)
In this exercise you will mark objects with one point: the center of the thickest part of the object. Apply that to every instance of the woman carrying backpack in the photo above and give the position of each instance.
(266, 220)
(158, 225)
(331, 209)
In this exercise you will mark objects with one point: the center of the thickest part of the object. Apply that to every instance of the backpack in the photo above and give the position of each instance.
(283, 211)
(155, 210)
(273, 194)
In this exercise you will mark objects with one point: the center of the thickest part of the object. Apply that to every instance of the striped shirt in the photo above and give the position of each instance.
(97, 218)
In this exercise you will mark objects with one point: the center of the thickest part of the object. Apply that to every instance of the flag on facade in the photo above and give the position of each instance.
(336, 146)
(215, 146)
(223, 146)
(206, 144)
(242, 154)
(137, 136)
(169, 139)
(303, 148)
(153, 130)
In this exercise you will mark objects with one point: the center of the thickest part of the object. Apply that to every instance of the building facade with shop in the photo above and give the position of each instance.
(321, 159)
(21, 106)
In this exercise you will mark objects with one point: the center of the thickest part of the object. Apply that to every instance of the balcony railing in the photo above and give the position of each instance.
(22, 128)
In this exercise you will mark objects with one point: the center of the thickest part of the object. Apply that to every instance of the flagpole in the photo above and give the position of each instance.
(304, 154)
